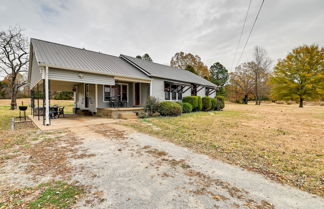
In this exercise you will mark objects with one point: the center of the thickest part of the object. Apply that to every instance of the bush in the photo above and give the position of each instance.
(152, 105)
(186, 107)
(168, 108)
(220, 104)
(193, 100)
(200, 106)
(206, 103)
(214, 103)
(63, 95)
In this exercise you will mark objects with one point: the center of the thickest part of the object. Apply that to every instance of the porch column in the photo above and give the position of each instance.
(47, 119)
(96, 96)
(151, 89)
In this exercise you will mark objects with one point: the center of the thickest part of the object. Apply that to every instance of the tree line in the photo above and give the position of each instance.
(297, 77)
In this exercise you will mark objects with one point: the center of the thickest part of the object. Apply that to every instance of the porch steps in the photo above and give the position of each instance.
(119, 113)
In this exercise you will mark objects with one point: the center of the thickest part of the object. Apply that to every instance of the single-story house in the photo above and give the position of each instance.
(100, 80)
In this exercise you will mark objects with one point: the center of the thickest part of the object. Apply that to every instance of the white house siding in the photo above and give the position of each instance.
(158, 88)
(80, 96)
(36, 75)
(202, 92)
(145, 92)
(79, 77)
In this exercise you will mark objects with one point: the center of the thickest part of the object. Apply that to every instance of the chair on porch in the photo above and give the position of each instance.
(60, 112)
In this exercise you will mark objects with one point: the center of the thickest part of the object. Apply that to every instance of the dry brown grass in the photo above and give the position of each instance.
(282, 142)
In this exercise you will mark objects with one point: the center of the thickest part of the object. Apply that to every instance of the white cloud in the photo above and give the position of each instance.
(161, 28)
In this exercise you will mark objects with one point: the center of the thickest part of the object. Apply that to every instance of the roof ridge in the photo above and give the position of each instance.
(157, 63)
(73, 47)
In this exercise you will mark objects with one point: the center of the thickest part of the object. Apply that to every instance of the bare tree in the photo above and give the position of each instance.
(260, 71)
(241, 81)
(13, 60)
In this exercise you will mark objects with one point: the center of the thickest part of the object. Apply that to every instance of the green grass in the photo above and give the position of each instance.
(56, 194)
(6, 115)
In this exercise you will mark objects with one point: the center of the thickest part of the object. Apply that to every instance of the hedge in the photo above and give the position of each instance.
(220, 104)
(168, 108)
(214, 103)
(186, 107)
(200, 106)
(193, 100)
(206, 103)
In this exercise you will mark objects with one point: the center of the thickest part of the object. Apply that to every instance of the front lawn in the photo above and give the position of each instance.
(282, 142)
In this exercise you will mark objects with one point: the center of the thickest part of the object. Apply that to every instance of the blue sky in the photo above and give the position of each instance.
(208, 28)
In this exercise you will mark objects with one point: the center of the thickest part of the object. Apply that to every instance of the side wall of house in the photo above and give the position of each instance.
(36, 75)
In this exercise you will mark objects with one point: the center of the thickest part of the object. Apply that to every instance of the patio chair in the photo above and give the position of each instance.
(54, 111)
(60, 112)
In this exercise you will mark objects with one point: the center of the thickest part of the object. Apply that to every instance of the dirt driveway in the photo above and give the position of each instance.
(135, 170)
(122, 168)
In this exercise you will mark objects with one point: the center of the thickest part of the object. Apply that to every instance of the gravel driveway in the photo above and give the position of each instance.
(134, 170)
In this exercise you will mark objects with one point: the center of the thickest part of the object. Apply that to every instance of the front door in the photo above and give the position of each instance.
(137, 94)
(86, 95)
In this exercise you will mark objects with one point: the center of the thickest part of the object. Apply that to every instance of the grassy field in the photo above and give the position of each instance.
(283, 142)
(6, 114)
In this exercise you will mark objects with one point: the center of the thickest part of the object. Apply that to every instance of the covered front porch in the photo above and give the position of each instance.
(92, 97)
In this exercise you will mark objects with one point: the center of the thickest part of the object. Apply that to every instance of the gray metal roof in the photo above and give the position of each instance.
(167, 72)
(67, 57)
(71, 58)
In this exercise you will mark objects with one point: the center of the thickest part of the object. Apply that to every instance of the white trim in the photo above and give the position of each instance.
(96, 96)
(46, 98)
(88, 71)
(151, 89)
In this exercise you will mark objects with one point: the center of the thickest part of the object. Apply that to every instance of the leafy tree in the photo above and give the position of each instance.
(241, 82)
(147, 57)
(13, 60)
(218, 74)
(191, 69)
(300, 75)
(144, 57)
(182, 60)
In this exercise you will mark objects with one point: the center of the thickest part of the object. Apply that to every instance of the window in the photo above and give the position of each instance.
(194, 90)
(174, 92)
(167, 89)
(107, 93)
(180, 94)
(207, 91)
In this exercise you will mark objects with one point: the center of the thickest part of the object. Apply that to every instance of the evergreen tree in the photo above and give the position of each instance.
(147, 57)
(218, 74)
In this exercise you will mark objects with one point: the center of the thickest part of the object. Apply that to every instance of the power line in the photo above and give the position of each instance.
(247, 40)
(238, 44)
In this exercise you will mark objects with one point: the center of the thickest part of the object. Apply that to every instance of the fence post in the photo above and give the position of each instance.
(12, 124)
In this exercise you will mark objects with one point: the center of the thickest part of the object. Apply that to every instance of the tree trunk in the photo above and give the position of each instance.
(245, 99)
(301, 102)
(13, 104)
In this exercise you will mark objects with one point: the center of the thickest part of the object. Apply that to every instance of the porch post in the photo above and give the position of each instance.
(96, 96)
(151, 89)
(46, 98)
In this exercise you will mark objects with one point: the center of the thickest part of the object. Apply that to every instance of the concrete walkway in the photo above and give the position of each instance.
(134, 170)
